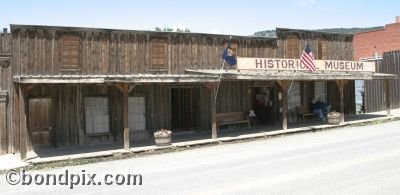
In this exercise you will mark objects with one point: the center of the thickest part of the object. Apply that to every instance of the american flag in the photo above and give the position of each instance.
(307, 58)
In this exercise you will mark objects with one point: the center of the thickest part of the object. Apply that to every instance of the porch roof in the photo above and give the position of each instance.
(99, 79)
(289, 75)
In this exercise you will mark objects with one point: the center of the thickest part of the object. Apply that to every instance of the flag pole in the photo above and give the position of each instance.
(220, 75)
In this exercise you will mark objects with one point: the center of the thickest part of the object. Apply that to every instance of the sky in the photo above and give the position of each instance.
(203, 16)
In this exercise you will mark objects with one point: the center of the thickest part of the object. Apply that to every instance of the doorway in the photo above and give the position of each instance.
(264, 104)
(184, 108)
(40, 123)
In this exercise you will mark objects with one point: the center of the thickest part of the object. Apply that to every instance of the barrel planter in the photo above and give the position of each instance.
(162, 137)
(334, 118)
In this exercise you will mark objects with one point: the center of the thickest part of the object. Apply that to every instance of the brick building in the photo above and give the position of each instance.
(373, 43)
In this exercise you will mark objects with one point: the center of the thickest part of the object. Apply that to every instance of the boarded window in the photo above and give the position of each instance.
(292, 47)
(97, 115)
(70, 52)
(322, 49)
(158, 54)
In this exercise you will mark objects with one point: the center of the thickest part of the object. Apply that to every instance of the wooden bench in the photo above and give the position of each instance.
(231, 118)
(304, 111)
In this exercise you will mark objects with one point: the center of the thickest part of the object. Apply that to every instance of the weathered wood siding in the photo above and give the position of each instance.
(5, 86)
(68, 108)
(126, 52)
(337, 47)
(374, 90)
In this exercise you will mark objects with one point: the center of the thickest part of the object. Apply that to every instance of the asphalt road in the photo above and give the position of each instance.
(358, 160)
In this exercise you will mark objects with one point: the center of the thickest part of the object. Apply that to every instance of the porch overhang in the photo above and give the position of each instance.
(291, 75)
(104, 79)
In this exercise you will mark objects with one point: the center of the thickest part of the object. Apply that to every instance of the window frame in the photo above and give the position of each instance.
(93, 130)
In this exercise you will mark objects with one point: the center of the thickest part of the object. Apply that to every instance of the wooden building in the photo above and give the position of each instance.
(374, 90)
(81, 86)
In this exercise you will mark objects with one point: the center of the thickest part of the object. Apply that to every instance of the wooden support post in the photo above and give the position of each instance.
(284, 86)
(340, 85)
(387, 96)
(212, 87)
(23, 130)
(124, 89)
(22, 124)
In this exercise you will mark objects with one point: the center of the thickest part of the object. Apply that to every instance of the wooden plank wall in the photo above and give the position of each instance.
(68, 109)
(339, 47)
(68, 106)
(125, 52)
(333, 97)
(5, 87)
(374, 90)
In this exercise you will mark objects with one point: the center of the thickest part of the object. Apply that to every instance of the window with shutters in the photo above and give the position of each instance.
(70, 52)
(159, 54)
(292, 47)
(322, 49)
(97, 115)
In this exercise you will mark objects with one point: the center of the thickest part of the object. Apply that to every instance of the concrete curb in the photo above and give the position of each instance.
(206, 142)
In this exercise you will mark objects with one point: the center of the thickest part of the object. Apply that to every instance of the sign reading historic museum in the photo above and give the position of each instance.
(294, 64)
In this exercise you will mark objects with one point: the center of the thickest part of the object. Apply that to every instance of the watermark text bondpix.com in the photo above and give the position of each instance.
(71, 179)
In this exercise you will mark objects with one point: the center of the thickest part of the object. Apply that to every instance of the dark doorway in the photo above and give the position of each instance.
(184, 108)
(40, 126)
(264, 104)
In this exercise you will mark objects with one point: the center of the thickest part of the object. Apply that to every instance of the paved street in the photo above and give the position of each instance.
(358, 160)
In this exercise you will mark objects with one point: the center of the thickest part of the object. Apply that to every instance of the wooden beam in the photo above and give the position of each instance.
(26, 88)
(284, 86)
(212, 87)
(125, 118)
(131, 87)
(124, 89)
(340, 85)
(23, 131)
(387, 96)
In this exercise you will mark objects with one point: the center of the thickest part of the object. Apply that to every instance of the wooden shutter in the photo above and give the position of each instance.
(70, 52)
(158, 54)
(292, 47)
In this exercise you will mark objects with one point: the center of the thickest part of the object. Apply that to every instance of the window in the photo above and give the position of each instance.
(70, 52)
(320, 90)
(292, 47)
(322, 49)
(136, 113)
(294, 96)
(97, 115)
(158, 54)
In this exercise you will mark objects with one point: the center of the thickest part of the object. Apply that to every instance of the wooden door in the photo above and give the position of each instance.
(136, 113)
(40, 126)
(263, 103)
(182, 108)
